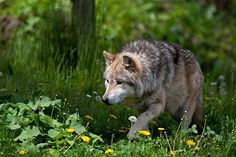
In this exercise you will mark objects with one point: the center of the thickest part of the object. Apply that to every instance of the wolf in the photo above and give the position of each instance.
(154, 77)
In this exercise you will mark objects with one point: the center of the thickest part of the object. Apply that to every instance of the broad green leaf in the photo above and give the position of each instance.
(55, 134)
(73, 118)
(12, 111)
(10, 118)
(14, 126)
(74, 121)
(32, 105)
(25, 121)
(56, 102)
(23, 109)
(28, 133)
(96, 138)
(79, 128)
(42, 102)
(49, 121)
(4, 106)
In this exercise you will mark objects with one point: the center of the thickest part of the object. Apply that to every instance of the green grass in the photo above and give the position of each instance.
(33, 65)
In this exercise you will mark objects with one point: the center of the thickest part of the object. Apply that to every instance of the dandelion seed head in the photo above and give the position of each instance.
(132, 119)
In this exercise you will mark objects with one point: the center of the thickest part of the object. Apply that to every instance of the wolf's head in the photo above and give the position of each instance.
(120, 76)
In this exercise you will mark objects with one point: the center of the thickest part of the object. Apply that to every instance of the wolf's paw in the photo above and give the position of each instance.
(130, 136)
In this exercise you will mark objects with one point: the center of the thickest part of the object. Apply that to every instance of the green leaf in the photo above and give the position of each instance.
(96, 138)
(41, 145)
(32, 105)
(25, 121)
(49, 121)
(54, 153)
(56, 102)
(55, 134)
(75, 122)
(14, 126)
(70, 142)
(73, 118)
(4, 106)
(29, 146)
(23, 110)
(79, 128)
(28, 133)
(43, 102)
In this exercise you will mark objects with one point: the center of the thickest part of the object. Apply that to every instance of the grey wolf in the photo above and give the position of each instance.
(154, 77)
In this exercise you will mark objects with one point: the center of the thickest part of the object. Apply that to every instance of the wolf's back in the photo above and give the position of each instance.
(163, 59)
(152, 48)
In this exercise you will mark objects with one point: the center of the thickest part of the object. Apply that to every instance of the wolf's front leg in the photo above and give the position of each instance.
(153, 111)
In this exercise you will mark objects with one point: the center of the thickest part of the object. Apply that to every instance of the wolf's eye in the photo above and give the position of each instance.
(119, 82)
(107, 81)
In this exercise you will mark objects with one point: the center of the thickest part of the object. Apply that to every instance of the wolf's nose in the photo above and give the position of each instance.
(105, 100)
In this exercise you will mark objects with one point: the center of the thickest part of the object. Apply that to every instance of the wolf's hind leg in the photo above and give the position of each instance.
(198, 115)
(192, 107)
(153, 111)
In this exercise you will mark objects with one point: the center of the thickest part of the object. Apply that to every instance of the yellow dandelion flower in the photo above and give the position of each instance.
(85, 139)
(22, 152)
(161, 129)
(144, 132)
(70, 130)
(109, 151)
(113, 116)
(172, 153)
(88, 117)
(190, 143)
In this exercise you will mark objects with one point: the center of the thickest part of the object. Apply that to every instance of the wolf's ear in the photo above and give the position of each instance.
(109, 57)
(129, 63)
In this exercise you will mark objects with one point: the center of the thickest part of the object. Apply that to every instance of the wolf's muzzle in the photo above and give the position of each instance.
(106, 101)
